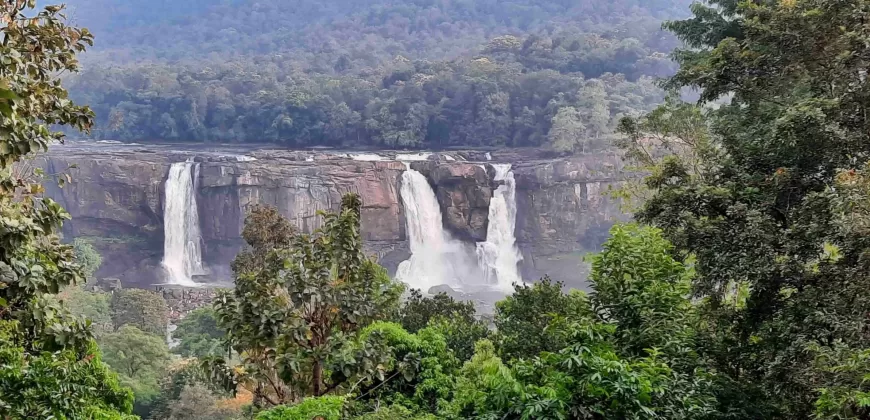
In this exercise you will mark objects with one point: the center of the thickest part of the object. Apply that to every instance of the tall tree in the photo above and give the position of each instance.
(144, 309)
(141, 360)
(295, 322)
(784, 278)
(568, 133)
(87, 257)
(199, 335)
(596, 110)
(527, 321)
(265, 232)
(51, 367)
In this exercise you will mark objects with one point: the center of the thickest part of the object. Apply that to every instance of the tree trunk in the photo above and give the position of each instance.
(317, 378)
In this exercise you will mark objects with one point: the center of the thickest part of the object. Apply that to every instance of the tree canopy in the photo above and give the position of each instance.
(766, 210)
(295, 320)
(413, 75)
(49, 364)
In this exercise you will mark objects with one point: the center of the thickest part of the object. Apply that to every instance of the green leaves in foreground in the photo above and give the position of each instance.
(49, 364)
(625, 351)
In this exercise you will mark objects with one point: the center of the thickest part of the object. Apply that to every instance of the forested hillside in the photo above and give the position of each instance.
(403, 74)
(368, 32)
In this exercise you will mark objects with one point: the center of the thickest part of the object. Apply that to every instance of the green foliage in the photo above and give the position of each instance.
(417, 310)
(642, 290)
(49, 365)
(92, 306)
(394, 412)
(418, 74)
(199, 334)
(455, 320)
(327, 407)
(484, 385)
(461, 334)
(568, 133)
(380, 30)
(140, 359)
(65, 384)
(198, 402)
(411, 105)
(781, 273)
(591, 364)
(528, 322)
(421, 372)
(265, 231)
(628, 351)
(144, 309)
(294, 320)
(87, 257)
(180, 376)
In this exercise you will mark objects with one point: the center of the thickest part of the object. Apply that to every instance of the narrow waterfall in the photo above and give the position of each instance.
(436, 258)
(499, 256)
(182, 256)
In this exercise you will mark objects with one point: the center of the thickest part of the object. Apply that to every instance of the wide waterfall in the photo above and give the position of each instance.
(498, 256)
(182, 255)
(436, 257)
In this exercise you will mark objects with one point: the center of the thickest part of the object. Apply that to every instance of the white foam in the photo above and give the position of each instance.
(413, 156)
(182, 254)
(367, 157)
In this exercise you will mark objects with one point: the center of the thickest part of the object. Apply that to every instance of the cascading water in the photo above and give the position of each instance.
(436, 258)
(498, 256)
(182, 256)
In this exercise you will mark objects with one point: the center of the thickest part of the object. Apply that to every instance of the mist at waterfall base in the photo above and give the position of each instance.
(182, 253)
(436, 257)
(439, 259)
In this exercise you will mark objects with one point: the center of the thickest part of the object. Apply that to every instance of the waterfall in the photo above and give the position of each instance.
(499, 256)
(436, 258)
(182, 256)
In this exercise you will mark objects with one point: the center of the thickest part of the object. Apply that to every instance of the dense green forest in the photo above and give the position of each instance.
(372, 73)
(742, 290)
(314, 35)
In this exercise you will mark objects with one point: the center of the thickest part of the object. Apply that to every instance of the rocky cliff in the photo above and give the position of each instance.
(116, 200)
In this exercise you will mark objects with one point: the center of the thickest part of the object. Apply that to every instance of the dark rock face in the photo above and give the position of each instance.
(299, 190)
(116, 200)
(564, 211)
(463, 191)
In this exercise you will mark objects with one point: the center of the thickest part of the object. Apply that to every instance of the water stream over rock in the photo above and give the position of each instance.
(182, 253)
(436, 257)
(498, 256)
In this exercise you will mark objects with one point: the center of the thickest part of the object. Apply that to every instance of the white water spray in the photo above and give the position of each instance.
(436, 258)
(371, 157)
(499, 256)
(182, 255)
(413, 156)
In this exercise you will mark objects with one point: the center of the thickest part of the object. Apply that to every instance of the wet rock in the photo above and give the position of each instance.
(463, 191)
(441, 288)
